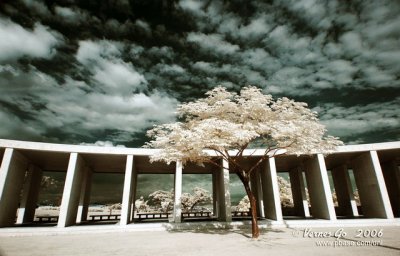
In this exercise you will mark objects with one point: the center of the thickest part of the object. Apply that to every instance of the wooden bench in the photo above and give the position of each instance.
(152, 215)
(105, 217)
(241, 214)
(44, 218)
(206, 214)
(157, 215)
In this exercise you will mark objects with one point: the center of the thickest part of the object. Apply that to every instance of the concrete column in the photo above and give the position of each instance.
(72, 190)
(214, 194)
(224, 194)
(255, 184)
(391, 173)
(129, 191)
(178, 193)
(347, 205)
(270, 189)
(299, 193)
(12, 171)
(374, 198)
(84, 198)
(318, 186)
(26, 211)
(134, 184)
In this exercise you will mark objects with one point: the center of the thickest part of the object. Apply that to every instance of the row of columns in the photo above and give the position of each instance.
(369, 179)
(75, 201)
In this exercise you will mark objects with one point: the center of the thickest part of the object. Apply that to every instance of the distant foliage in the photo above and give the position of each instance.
(285, 192)
(243, 205)
(355, 194)
(117, 206)
(141, 205)
(190, 201)
(49, 183)
(163, 200)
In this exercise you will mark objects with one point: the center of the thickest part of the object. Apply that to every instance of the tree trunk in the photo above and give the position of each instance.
(253, 204)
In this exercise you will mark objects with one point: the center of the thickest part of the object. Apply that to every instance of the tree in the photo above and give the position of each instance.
(163, 199)
(285, 192)
(111, 207)
(226, 124)
(189, 201)
(141, 205)
(243, 205)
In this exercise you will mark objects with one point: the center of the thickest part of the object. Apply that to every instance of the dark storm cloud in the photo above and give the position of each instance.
(87, 71)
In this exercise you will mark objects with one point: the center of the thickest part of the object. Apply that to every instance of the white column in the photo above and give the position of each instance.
(255, 184)
(224, 195)
(318, 186)
(371, 186)
(215, 194)
(299, 192)
(133, 199)
(391, 173)
(129, 191)
(344, 191)
(12, 171)
(84, 199)
(177, 218)
(26, 211)
(72, 189)
(270, 189)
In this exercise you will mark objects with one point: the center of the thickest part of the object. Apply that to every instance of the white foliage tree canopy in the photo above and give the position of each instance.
(225, 124)
(190, 201)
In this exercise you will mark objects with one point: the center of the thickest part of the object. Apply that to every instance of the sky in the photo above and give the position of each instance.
(104, 72)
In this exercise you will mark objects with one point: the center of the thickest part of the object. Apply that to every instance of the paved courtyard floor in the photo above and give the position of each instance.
(286, 241)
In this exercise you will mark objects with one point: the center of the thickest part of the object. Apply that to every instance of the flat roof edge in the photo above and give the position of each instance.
(68, 148)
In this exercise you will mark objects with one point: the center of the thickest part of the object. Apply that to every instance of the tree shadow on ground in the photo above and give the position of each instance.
(216, 230)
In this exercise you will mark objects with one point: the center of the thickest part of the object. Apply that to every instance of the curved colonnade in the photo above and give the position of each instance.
(375, 168)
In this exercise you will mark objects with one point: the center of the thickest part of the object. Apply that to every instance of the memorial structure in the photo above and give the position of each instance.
(375, 168)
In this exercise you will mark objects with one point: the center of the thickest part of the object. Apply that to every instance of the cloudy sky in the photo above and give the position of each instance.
(95, 71)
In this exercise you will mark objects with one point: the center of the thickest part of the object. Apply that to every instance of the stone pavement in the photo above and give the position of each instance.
(283, 241)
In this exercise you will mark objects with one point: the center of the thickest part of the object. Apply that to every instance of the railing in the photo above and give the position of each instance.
(241, 213)
(196, 214)
(153, 215)
(105, 217)
(46, 218)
